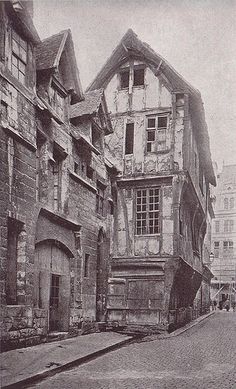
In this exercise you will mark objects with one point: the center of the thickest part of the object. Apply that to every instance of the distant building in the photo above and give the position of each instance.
(161, 145)
(224, 236)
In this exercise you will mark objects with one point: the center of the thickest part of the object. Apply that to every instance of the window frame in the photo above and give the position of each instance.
(121, 73)
(86, 265)
(156, 130)
(217, 226)
(19, 46)
(142, 207)
(100, 199)
(129, 146)
(138, 69)
(57, 100)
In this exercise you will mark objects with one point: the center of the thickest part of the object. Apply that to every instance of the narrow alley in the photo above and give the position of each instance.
(203, 357)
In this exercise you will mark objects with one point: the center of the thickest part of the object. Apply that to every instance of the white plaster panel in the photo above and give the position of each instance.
(165, 97)
(139, 138)
(123, 100)
(167, 202)
(167, 226)
(110, 94)
(138, 98)
(152, 89)
(153, 245)
(167, 243)
(140, 245)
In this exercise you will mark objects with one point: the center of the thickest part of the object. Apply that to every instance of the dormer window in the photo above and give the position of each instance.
(19, 57)
(57, 101)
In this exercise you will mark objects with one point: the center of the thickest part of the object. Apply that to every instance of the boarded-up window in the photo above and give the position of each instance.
(129, 138)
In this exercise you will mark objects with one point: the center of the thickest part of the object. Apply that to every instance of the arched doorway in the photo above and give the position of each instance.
(52, 291)
(101, 279)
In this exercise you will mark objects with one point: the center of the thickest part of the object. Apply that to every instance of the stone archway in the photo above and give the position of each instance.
(52, 287)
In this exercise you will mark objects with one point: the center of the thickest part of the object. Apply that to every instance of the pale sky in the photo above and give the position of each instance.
(197, 37)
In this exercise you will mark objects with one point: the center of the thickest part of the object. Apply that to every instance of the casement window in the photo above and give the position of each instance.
(100, 199)
(147, 211)
(86, 265)
(228, 225)
(231, 203)
(156, 133)
(216, 249)
(57, 101)
(228, 247)
(226, 203)
(217, 226)
(19, 57)
(137, 80)
(129, 138)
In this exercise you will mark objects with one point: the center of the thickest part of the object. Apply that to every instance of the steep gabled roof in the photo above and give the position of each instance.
(131, 46)
(22, 19)
(93, 100)
(48, 55)
(89, 105)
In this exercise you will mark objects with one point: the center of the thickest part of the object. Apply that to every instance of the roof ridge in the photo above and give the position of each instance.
(62, 32)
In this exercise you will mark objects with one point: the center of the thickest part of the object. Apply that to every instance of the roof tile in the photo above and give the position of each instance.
(89, 105)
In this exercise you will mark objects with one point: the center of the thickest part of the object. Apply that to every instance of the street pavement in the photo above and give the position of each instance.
(203, 357)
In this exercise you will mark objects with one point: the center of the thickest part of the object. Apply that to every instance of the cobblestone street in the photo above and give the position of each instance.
(202, 357)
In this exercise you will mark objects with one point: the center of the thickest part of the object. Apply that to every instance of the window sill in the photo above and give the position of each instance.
(147, 235)
(85, 182)
(157, 152)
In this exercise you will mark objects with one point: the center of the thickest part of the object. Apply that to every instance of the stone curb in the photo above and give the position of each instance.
(179, 331)
(76, 362)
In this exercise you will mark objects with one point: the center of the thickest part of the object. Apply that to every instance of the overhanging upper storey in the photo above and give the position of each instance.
(133, 65)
